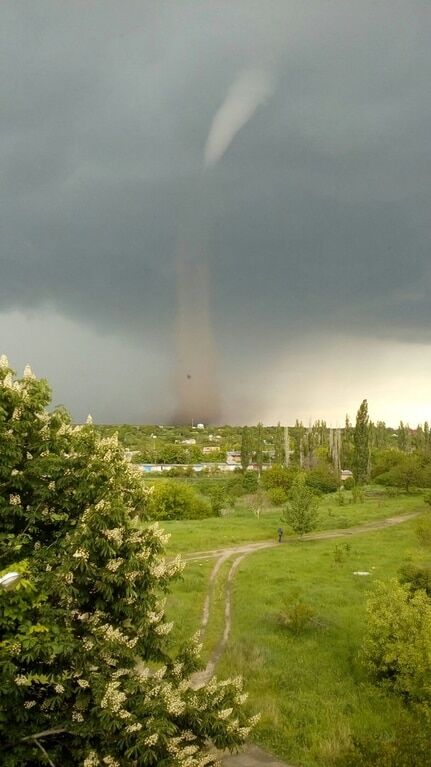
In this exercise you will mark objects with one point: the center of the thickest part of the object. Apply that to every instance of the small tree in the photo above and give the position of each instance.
(87, 676)
(302, 507)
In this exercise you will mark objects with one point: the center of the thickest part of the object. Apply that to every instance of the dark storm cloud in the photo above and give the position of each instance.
(315, 219)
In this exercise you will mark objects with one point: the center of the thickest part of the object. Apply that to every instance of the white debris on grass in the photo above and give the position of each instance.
(361, 572)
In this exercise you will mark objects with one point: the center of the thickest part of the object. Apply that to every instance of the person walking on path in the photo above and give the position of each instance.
(280, 534)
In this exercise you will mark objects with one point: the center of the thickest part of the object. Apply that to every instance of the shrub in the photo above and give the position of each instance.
(416, 576)
(341, 552)
(397, 649)
(250, 481)
(296, 615)
(406, 473)
(175, 500)
(279, 476)
(218, 498)
(349, 483)
(234, 486)
(357, 494)
(341, 498)
(277, 496)
(323, 478)
(409, 747)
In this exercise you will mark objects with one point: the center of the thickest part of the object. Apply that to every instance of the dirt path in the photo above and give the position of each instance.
(252, 756)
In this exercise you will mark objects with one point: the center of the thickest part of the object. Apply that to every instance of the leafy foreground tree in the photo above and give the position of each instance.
(302, 507)
(86, 677)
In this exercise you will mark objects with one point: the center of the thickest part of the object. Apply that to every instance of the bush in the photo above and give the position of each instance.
(406, 473)
(278, 476)
(409, 747)
(397, 648)
(218, 497)
(250, 481)
(175, 500)
(416, 576)
(349, 483)
(234, 486)
(357, 494)
(323, 478)
(296, 615)
(277, 496)
(341, 498)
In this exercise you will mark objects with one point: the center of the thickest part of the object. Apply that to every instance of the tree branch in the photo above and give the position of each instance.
(39, 745)
(44, 733)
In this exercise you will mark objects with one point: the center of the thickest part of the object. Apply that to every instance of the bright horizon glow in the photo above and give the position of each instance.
(318, 378)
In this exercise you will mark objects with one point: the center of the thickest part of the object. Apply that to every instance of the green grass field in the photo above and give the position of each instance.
(312, 689)
(243, 526)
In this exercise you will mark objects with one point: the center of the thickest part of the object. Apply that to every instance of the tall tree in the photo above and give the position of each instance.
(361, 441)
(259, 447)
(335, 449)
(347, 445)
(426, 436)
(404, 438)
(279, 445)
(286, 447)
(87, 675)
(246, 447)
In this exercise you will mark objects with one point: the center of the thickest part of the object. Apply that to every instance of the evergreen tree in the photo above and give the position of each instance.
(361, 441)
(87, 674)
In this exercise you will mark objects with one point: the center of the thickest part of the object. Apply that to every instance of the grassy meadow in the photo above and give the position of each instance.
(312, 691)
(241, 525)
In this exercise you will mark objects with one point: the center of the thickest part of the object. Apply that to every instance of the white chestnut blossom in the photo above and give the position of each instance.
(91, 760)
(115, 535)
(81, 553)
(28, 373)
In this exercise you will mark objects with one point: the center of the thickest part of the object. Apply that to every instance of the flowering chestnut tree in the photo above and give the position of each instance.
(86, 673)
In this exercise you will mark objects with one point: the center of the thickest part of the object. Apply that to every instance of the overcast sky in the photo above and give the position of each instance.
(118, 146)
